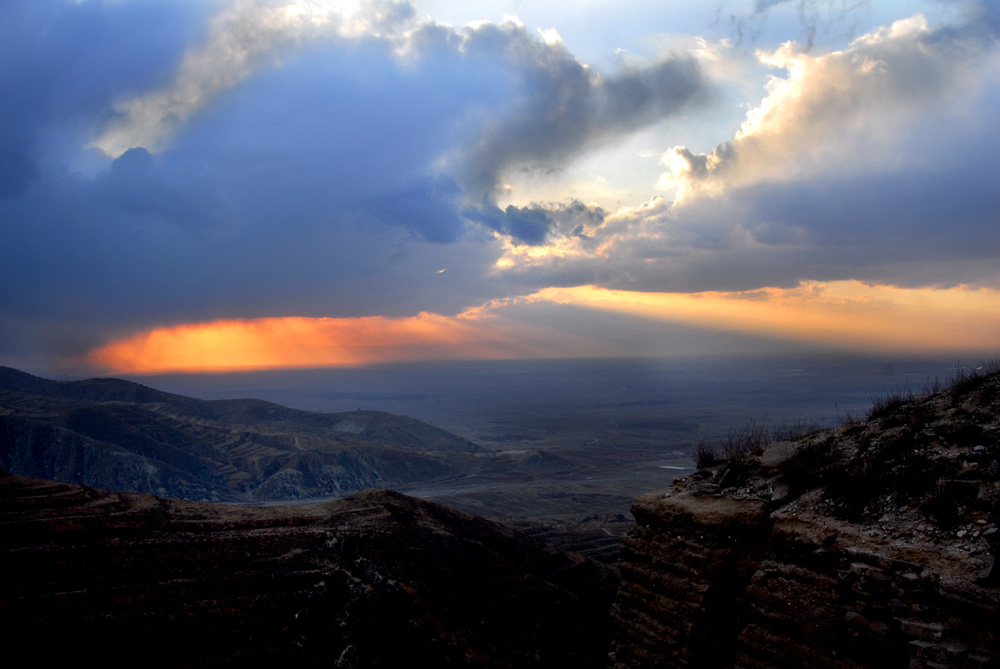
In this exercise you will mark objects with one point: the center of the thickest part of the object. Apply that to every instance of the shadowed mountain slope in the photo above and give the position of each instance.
(98, 390)
(374, 579)
(117, 434)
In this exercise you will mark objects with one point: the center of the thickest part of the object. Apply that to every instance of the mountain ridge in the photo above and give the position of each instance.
(118, 434)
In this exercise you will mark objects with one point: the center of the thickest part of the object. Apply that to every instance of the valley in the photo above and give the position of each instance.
(580, 438)
(556, 448)
(870, 543)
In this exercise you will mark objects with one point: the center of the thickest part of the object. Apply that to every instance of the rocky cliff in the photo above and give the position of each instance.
(871, 544)
(102, 578)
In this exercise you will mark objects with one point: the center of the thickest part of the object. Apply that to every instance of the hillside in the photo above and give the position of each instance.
(871, 544)
(376, 578)
(116, 434)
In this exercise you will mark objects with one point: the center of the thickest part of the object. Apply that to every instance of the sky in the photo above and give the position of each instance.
(236, 184)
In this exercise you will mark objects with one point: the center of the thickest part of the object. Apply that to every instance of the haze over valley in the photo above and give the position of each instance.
(576, 440)
(870, 542)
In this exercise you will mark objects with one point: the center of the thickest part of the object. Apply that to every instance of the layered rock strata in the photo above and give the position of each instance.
(871, 544)
(101, 578)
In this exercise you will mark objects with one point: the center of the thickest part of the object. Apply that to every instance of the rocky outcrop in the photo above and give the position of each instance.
(871, 544)
(101, 578)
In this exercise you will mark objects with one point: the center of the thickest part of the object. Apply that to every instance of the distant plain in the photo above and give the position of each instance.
(616, 427)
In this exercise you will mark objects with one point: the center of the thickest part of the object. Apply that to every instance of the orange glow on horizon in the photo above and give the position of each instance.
(296, 342)
(844, 314)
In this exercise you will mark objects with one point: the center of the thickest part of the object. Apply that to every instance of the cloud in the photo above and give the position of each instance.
(429, 207)
(243, 37)
(64, 66)
(844, 314)
(276, 158)
(815, 17)
(934, 228)
(848, 108)
(537, 225)
(266, 162)
(544, 325)
(528, 225)
(874, 163)
(562, 107)
(137, 184)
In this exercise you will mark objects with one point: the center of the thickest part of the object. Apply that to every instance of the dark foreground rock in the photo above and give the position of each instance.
(870, 545)
(375, 579)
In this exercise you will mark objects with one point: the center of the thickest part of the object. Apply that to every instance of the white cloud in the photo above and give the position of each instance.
(559, 107)
(847, 111)
(242, 37)
(550, 36)
(876, 162)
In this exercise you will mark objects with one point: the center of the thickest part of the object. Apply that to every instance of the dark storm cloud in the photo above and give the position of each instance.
(324, 182)
(934, 227)
(563, 107)
(339, 174)
(537, 224)
(879, 228)
(304, 191)
(526, 225)
(343, 132)
(139, 185)
(281, 167)
(429, 207)
(82, 267)
(63, 66)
